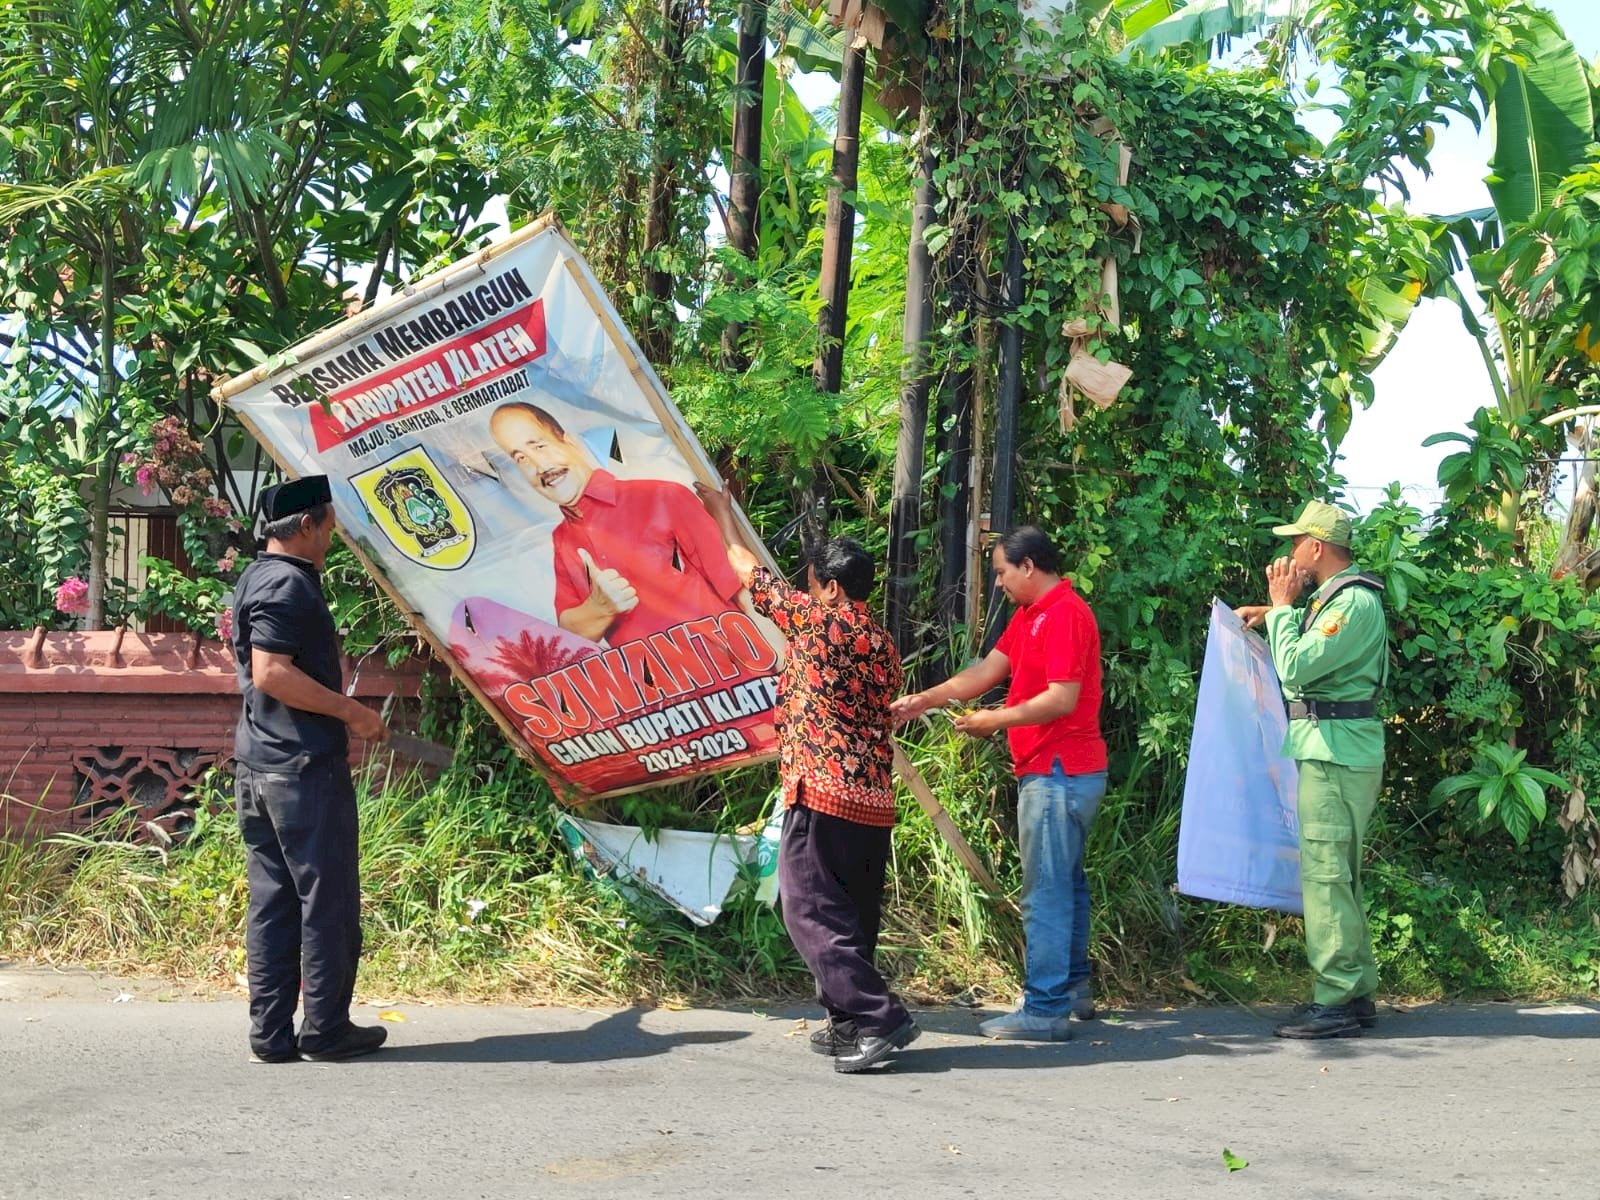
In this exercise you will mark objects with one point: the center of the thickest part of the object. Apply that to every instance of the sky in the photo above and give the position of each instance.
(1434, 379)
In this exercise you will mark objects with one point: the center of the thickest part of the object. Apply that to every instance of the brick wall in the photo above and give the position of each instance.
(92, 721)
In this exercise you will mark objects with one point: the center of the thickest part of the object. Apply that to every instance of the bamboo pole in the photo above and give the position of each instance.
(945, 824)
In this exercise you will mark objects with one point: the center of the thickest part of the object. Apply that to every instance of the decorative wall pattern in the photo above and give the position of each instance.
(90, 722)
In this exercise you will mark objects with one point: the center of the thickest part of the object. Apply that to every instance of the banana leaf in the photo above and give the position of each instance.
(1543, 119)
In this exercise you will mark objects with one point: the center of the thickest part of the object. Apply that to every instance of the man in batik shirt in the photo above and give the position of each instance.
(836, 754)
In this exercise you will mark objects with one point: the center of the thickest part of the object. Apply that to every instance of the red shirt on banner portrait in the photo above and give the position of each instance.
(835, 735)
(1055, 640)
(658, 536)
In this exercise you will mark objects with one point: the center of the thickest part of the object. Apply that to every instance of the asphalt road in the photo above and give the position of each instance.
(114, 1090)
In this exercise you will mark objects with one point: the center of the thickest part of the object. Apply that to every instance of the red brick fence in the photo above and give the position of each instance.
(91, 722)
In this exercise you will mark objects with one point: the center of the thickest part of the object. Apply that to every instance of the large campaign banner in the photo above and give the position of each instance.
(513, 472)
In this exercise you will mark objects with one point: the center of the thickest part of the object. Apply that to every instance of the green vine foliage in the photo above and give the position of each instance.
(1245, 271)
(767, 422)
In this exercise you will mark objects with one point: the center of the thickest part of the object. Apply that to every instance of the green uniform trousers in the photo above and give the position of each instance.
(1336, 804)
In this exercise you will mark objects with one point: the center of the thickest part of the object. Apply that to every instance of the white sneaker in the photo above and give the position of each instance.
(1024, 1027)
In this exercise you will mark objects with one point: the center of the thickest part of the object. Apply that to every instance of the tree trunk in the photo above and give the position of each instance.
(905, 510)
(1574, 557)
(661, 199)
(838, 237)
(98, 433)
(744, 184)
(838, 233)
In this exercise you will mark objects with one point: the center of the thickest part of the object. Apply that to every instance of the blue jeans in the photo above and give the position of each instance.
(1054, 813)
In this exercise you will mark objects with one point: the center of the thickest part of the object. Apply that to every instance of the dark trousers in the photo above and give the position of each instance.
(303, 928)
(830, 880)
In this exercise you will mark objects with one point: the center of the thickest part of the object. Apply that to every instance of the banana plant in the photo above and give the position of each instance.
(1538, 96)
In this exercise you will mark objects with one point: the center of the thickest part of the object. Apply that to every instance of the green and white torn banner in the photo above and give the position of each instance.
(692, 872)
(1239, 839)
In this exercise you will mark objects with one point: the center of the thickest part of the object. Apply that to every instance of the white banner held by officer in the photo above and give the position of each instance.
(1239, 839)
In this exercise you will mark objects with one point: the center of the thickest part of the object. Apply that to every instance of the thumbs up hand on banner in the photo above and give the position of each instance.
(607, 588)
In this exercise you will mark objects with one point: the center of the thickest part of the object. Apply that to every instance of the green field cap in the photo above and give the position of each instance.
(1321, 521)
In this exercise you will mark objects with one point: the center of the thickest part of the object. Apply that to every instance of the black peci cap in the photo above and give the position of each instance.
(293, 496)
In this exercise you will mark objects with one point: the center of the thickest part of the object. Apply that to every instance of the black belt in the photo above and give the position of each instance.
(1331, 710)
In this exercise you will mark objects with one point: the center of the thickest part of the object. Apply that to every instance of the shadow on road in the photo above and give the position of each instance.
(616, 1037)
(1231, 1032)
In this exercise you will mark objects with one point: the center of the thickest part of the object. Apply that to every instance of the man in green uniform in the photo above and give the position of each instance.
(1330, 658)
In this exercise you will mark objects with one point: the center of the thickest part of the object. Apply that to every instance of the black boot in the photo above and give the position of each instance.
(1362, 1008)
(1321, 1021)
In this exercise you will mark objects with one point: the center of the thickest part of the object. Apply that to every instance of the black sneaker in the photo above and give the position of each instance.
(1363, 1008)
(352, 1043)
(1321, 1021)
(831, 1040)
(872, 1049)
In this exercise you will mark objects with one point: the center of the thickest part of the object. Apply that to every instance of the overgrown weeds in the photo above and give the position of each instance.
(470, 893)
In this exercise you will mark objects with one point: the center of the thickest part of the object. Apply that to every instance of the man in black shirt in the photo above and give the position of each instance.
(297, 804)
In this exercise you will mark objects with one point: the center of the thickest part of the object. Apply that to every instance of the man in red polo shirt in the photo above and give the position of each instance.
(1050, 652)
(632, 556)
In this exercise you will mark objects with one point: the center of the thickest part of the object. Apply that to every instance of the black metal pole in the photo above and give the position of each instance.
(905, 510)
(1008, 398)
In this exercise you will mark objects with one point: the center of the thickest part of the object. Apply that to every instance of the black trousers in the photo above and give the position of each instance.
(303, 929)
(830, 880)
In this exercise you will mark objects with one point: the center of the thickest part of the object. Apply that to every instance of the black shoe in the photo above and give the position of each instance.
(831, 1040)
(352, 1043)
(1321, 1021)
(275, 1056)
(872, 1049)
(1362, 1008)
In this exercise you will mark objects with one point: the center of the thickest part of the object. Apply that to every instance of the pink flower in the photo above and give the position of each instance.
(225, 621)
(72, 596)
(145, 478)
(129, 459)
(215, 506)
(227, 561)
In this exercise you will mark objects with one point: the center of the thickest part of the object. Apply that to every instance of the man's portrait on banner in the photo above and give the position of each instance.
(632, 557)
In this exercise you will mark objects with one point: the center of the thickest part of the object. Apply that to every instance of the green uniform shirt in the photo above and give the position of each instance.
(1339, 657)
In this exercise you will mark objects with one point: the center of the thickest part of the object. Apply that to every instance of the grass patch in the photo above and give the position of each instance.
(469, 893)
